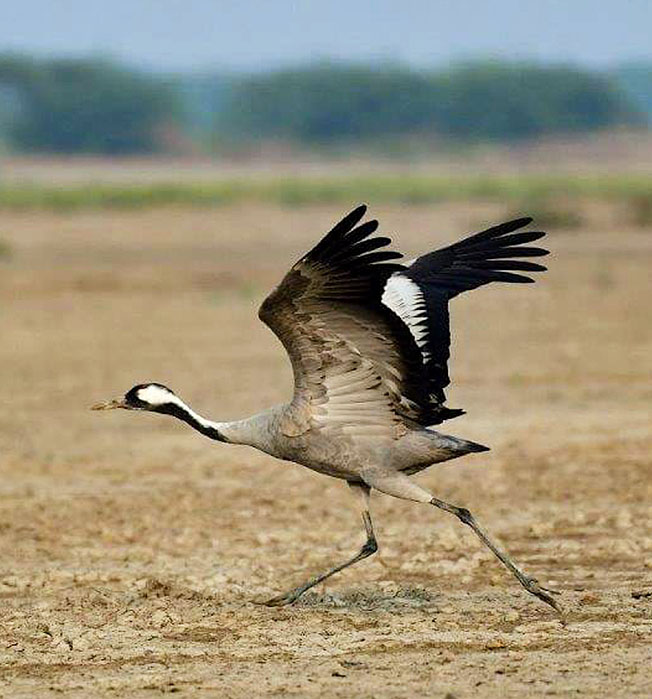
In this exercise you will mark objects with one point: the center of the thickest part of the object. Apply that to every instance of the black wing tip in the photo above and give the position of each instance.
(520, 222)
(515, 224)
(500, 233)
(475, 447)
(349, 221)
(441, 414)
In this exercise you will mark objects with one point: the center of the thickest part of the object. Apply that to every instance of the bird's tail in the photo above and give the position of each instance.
(456, 446)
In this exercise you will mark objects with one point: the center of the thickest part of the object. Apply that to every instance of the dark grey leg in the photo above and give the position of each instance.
(400, 486)
(370, 547)
(530, 584)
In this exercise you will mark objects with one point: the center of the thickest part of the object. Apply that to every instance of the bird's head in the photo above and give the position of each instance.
(145, 396)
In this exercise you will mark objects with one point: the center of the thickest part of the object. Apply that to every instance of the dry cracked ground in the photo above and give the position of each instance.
(132, 550)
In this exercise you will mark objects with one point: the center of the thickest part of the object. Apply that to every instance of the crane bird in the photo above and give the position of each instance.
(368, 339)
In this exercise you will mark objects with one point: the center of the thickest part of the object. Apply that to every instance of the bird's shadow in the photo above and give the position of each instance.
(404, 599)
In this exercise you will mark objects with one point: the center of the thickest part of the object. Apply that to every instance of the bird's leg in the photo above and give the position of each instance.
(530, 584)
(370, 547)
(400, 486)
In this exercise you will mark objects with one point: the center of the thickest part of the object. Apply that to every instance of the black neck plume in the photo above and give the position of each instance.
(187, 416)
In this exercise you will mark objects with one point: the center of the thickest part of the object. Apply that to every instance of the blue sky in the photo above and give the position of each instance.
(257, 34)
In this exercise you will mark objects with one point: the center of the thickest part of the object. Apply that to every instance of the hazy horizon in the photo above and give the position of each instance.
(230, 36)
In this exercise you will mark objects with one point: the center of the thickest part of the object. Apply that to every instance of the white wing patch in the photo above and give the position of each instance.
(405, 298)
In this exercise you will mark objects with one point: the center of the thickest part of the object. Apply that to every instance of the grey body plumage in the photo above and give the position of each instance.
(342, 455)
(368, 339)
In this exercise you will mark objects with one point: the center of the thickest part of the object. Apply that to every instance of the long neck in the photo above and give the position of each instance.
(214, 430)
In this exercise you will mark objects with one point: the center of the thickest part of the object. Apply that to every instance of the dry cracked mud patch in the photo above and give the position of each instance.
(132, 550)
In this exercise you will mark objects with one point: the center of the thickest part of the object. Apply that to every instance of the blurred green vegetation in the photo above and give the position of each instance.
(82, 105)
(5, 250)
(640, 207)
(329, 103)
(53, 105)
(635, 79)
(523, 192)
(555, 212)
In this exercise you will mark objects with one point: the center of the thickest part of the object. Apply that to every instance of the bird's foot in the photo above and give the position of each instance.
(280, 600)
(543, 593)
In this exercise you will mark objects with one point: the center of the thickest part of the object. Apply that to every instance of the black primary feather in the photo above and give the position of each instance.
(357, 268)
(489, 256)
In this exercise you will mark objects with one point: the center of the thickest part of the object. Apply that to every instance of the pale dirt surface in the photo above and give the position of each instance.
(627, 152)
(131, 548)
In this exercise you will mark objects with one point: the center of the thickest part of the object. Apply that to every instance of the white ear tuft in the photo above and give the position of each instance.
(155, 394)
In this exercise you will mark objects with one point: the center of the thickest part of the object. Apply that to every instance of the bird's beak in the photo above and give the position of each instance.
(110, 404)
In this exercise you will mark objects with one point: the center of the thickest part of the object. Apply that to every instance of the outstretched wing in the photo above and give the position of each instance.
(419, 295)
(356, 364)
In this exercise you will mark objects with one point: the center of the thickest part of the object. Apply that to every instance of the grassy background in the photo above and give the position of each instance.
(295, 191)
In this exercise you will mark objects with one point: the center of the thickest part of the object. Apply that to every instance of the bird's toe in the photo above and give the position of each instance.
(278, 601)
(543, 594)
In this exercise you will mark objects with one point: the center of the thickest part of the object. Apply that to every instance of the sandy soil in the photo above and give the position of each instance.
(625, 152)
(132, 549)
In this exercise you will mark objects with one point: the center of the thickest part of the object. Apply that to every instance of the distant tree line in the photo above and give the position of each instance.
(95, 106)
(635, 78)
(478, 101)
(82, 106)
